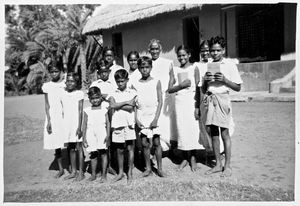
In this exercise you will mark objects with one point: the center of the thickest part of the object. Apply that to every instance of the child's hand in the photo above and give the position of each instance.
(139, 124)
(153, 124)
(132, 102)
(220, 77)
(79, 133)
(196, 114)
(186, 83)
(208, 77)
(49, 128)
(85, 144)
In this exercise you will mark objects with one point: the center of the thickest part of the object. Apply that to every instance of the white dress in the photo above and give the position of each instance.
(54, 140)
(70, 102)
(160, 70)
(188, 130)
(96, 127)
(147, 103)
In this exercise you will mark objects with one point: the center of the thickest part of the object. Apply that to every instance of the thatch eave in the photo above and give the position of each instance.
(107, 19)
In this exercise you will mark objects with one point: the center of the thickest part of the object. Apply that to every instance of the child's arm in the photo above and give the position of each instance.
(137, 121)
(197, 93)
(172, 89)
(127, 106)
(80, 110)
(159, 106)
(107, 139)
(221, 78)
(84, 126)
(47, 107)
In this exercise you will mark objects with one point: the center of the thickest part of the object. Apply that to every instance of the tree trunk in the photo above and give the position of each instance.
(82, 66)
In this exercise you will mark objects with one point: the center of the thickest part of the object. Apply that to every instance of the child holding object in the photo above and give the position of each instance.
(53, 131)
(122, 103)
(96, 131)
(72, 101)
(149, 105)
(216, 111)
(182, 82)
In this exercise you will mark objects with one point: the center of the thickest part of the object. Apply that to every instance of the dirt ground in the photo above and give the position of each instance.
(263, 148)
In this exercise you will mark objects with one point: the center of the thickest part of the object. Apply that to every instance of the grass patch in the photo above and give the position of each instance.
(22, 129)
(163, 190)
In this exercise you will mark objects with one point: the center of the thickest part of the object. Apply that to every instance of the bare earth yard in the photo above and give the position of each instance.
(263, 162)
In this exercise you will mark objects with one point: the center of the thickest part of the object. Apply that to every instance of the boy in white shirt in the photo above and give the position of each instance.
(122, 103)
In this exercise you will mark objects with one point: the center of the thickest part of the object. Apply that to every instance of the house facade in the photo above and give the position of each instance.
(254, 32)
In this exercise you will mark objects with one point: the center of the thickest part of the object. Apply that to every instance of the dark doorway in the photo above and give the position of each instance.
(118, 45)
(191, 36)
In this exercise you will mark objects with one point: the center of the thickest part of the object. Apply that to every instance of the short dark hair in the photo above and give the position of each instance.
(121, 74)
(217, 40)
(183, 47)
(108, 48)
(144, 59)
(94, 90)
(133, 53)
(204, 43)
(76, 78)
(57, 62)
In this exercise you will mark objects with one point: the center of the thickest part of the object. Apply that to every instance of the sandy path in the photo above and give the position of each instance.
(263, 151)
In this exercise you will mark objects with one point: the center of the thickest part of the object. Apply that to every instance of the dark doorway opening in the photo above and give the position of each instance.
(118, 45)
(191, 36)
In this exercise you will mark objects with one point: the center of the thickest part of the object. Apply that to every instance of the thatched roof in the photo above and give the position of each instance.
(117, 14)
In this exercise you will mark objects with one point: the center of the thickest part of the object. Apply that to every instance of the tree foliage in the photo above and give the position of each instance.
(39, 32)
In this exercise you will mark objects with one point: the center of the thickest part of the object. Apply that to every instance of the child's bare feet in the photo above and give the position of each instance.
(182, 165)
(80, 177)
(227, 172)
(92, 178)
(70, 176)
(102, 180)
(146, 173)
(118, 177)
(214, 170)
(160, 173)
(193, 164)
(59, 174)
(129, 180)
(110, 170)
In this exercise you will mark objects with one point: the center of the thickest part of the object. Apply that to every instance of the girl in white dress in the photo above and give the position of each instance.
(182, 81)
(53, 136)
(149, 105)
(96, 131)
(72, 101)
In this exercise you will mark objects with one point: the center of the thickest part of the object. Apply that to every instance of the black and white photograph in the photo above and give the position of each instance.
(150, 102)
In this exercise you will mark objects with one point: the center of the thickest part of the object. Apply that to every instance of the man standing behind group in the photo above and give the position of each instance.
(161, 68)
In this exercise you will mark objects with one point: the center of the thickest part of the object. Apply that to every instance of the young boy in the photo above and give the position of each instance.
(215, 107)
(122, 103)
(103, 82)
(149, 105)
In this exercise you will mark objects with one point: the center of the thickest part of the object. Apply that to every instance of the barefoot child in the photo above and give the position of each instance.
(215, 107)
(149, 105)
(96, 131)
(72, 101)
(182, 82)
(53, 136)
(122, 103)
(107, 88)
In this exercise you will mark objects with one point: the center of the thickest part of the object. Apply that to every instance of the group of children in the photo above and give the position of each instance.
(143, 107)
